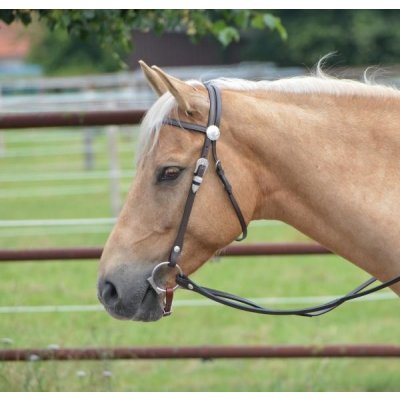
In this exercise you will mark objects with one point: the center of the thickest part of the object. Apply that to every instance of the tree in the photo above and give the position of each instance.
(360, 37)
(112, 29)
(60, 54)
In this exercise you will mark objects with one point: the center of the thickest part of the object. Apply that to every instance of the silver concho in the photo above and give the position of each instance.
(213, 132)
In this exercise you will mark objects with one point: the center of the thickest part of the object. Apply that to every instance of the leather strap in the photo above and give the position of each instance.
(180, 237)
(169, 296)
(228, 188)
(185, 125)
(214, 118)
(234, 301)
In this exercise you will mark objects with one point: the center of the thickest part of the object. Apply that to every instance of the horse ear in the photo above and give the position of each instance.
(154, 80)
(182, 91)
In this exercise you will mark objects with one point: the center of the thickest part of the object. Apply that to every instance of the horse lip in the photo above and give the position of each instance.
(150, 309)
(114, 313)
(146, 293)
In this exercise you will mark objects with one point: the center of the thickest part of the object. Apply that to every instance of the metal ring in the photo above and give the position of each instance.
(153, 282)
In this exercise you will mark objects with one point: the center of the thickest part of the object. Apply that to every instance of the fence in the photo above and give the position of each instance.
(75, 118)
(29, 120)
(204, 352)
(123, 89)
(82, 253)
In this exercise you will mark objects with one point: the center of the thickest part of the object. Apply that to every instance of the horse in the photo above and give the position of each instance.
(316, 152)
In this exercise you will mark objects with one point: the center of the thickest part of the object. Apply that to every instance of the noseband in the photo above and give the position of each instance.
(212, 134)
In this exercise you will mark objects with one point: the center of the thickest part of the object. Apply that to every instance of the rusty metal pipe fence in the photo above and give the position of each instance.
(70, 118)
(92, 253)
(131, 117)
(203, 352)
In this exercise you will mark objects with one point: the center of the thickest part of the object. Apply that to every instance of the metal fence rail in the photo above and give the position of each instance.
(91, 253)
(63, 119)
(131, 117)
(204, 352)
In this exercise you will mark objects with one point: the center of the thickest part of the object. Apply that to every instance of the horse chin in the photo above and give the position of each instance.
(148, 315)
(143, 314)
(150, 309)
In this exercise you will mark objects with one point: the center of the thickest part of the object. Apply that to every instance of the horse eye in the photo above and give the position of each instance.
(169, 173)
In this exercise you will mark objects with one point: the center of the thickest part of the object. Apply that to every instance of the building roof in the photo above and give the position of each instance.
(14, 44)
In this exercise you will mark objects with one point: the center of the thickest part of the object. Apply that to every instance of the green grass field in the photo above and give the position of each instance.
(74, 283)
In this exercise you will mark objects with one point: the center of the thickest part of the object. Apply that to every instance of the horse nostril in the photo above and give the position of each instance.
(109, 294)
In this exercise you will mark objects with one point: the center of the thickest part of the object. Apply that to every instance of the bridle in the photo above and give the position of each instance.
(212, 134)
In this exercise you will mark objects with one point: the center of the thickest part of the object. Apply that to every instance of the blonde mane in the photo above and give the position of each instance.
(317, 83)
(152, 123)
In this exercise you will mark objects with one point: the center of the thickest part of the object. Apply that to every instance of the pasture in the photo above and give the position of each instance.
(74, 283)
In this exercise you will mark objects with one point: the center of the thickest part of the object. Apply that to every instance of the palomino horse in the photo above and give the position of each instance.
(318, 153)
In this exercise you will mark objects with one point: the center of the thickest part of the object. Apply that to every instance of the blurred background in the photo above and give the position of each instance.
(82, 60)
(63, 187)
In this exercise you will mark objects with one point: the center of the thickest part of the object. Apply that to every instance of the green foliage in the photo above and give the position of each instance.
(9, 16)
(261, 20)
(97, 40)
(360, 37)
(59, 54)
(115, 26)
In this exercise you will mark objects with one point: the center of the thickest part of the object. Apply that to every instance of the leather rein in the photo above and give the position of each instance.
(212, 134)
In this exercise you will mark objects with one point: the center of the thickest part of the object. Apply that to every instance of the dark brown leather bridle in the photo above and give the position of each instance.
(212, 134)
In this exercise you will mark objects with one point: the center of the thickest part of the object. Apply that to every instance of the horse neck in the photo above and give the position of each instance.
(329, 166)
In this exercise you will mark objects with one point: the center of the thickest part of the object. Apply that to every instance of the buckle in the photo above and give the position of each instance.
(201, 162)
(167, 313)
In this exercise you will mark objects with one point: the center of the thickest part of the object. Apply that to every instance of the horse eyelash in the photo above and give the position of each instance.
(161, 172)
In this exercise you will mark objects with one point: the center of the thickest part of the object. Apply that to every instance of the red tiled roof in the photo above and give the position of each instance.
(13, 43)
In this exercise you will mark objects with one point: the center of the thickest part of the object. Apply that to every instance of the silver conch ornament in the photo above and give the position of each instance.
(213, 132)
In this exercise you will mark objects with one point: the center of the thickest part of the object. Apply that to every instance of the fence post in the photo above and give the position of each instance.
(2, 139)
(2, 145)
(88, 148)
(115, 193)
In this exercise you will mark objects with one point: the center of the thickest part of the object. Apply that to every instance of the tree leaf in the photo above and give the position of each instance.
(258, 22)
(113, 27)
(269, 21)
(25, 17)
(227, 35)
(273, 22)
(7, 16)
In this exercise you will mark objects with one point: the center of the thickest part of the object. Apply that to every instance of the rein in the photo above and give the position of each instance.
(212, 134)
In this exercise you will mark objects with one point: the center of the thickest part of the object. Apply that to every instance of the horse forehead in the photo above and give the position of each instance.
(176, 141)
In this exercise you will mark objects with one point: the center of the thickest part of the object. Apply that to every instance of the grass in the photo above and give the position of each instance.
(73, 282)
